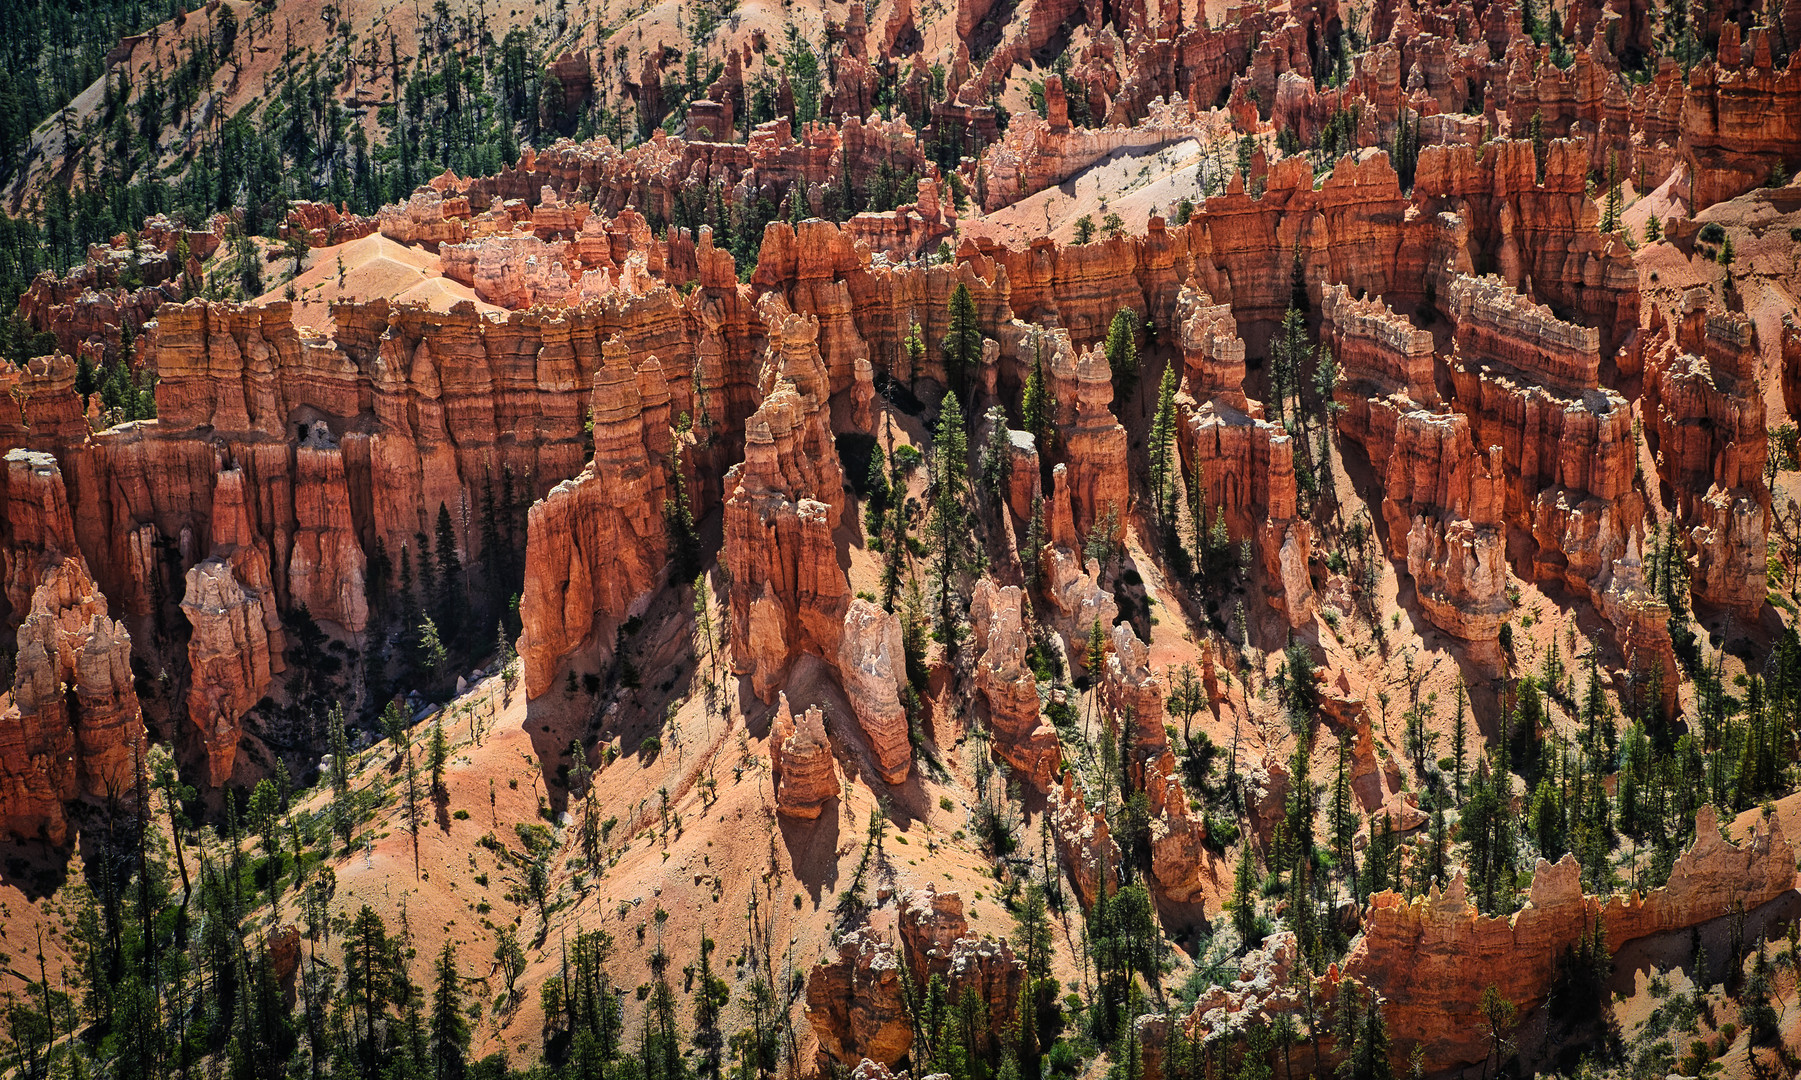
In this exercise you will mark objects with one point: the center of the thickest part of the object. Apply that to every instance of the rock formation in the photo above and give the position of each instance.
(1431, 959)
(937, 944)
(1704, 399)
(235, 649)
(789, 595)
(856, 1004)
(1244, 463)
(73, 728)
(1180, 861)
(1023, 738)
(800, 762)
(597, 545)
(1085, 846)
(1442, 497)
(872, 667)
(1529, 384)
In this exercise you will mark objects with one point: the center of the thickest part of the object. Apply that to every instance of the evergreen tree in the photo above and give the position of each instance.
(997, 456)
(449, 1030)
(710, 998)
(1038, 408)
(1122, 354)
(684, 538)
(437, 754)
(1031, 550)
(1343, 817)
(1244, 898)
(948, 524)
(962, 344)
(1164, 464)
(1459, 735)
(450, 593)
(1287, 349)
(875, 484)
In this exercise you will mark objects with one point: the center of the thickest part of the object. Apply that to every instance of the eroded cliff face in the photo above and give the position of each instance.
(856, 1003)
(1023, 738)
(1704, 383)
(1429, 960)
(856, 999)
(235, 649)
(72, 728)
(1244, 464)
(1442, 500)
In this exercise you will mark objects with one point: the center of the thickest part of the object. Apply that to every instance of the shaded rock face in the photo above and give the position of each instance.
(856, 1003)
(800, 762)
(73, 725)
(1023, 738)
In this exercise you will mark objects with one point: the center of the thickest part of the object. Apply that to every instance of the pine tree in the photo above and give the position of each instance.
(343, 816)
(1038, 408)
(1244, 898)
(997, 456)
(875, 483)
(710, 998)
(449, 1029)
(450, 595)
(1122, 353)
(1610, 216)
(1164, 465)
(431, 649)
(415, 816)
(1032, 550)
(1343, 817)
(1299, 816)
(948, 525)
(962, 344)
(1287, 349)
(1535, 131)
(437, 753)
(1459, 736)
